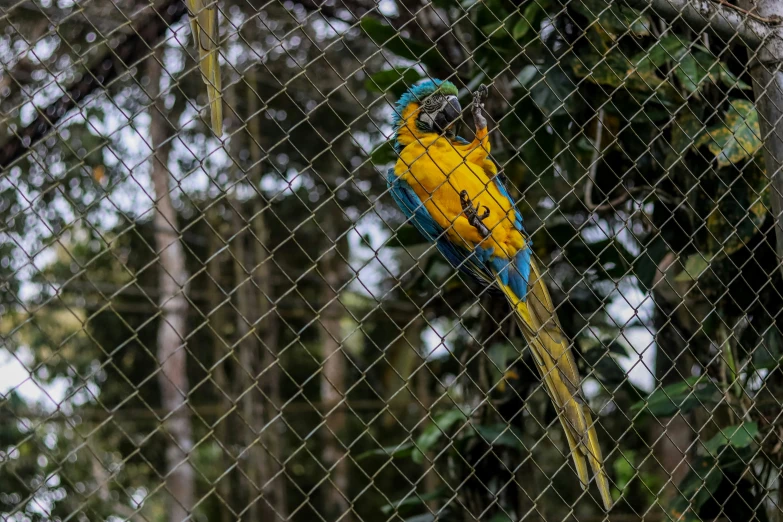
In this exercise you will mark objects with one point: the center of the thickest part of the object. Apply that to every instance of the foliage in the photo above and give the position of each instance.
(679, 154)
(669, 275)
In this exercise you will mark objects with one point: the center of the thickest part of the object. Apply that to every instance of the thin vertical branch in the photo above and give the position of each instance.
(333, 270)
(172, 277)
(268, 326)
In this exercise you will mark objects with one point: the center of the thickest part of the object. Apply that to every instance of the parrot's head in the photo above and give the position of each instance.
(429, 107)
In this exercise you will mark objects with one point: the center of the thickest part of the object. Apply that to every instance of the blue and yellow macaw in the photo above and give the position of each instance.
(449, 189)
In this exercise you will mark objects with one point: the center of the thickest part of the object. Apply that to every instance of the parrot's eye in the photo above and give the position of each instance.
(433, 103)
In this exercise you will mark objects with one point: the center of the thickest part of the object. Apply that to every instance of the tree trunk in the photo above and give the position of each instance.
(425, 400)
(768, 90)
(404, 358)
(671, 437)
(268, 326)
(334, 273)
(253, 463)
(217, 322)
(173, 377)
(251, 399)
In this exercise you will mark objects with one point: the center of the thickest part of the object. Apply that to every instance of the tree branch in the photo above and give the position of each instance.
(758, 25)
(724, 20)
(136, 47)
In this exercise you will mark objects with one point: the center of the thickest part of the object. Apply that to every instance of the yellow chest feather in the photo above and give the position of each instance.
(437, 172)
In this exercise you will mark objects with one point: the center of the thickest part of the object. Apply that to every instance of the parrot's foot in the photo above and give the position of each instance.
(478, 107)
(472, 213)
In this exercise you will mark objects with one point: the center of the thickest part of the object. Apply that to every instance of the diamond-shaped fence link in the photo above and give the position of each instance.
(242, 281)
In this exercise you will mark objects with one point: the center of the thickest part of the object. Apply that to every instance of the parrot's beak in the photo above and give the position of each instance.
(450, 113)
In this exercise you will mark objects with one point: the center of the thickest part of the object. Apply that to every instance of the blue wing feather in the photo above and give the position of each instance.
(473, 262)
(518, 275)
(480, 262)
(514, 273)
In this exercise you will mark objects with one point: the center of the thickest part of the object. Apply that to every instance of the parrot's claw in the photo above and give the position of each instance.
(478, 106)
(472, 213)
(481, 94)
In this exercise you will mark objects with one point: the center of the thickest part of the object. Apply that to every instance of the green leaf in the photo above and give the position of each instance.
(396, 81)
(425, 517)
(389, 38)
(398, 451)
(406, 236)
(739, 436)
(521, 28)
(738, 137)
(736, 460)
(384, 154)
(615, 70)
(500, 435)
(434, 432)
(554, 94)
(730, 80)
(609, 70)
(606, 367)
(526, 76)
(768, 354)
(491, 30)
(738, 205)
(682, 396)
(663, 51)
(525, 23)
(696, 68)
(685, 133)
(739, 211)
(501, 354)
(695, 489)
(619, 20)
(695, 266)
(646, 266)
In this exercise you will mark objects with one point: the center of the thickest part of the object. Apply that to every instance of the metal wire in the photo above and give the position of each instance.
(246, 327)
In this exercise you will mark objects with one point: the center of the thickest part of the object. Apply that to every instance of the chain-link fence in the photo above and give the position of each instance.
(242, 281)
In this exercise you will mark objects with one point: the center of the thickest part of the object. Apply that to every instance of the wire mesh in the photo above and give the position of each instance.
(242, 323)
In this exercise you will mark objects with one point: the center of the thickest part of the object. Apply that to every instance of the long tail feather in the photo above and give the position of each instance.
(205, 32)
(558, 370)
(213, 92)
(596, 461)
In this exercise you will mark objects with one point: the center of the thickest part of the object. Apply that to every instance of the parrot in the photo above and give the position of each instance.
(204, 26)
(450, 190)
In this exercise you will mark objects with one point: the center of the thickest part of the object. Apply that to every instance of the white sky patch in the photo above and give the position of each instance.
(327, 30)
(631, 305)
(639, 366)
(375, 265)
(436, 338)
(14, 375)
(387, 8)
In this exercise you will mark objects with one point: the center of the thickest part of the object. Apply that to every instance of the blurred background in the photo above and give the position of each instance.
(245, 327)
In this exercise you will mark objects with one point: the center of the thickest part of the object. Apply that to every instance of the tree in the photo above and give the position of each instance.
(172, 333)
